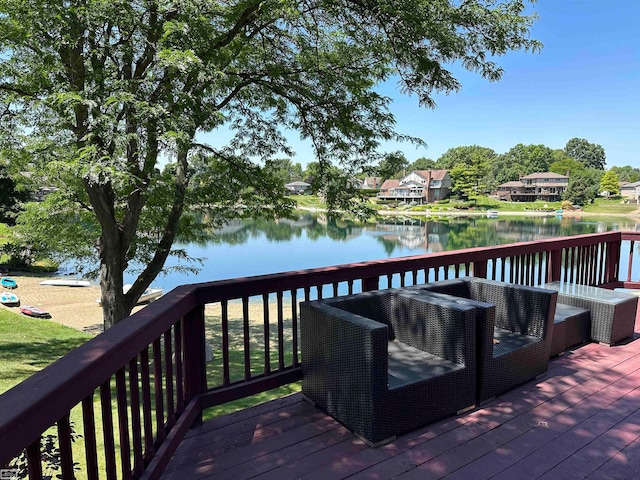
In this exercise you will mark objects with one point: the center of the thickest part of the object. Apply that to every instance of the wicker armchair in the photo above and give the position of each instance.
(383, 363)
(514, 337)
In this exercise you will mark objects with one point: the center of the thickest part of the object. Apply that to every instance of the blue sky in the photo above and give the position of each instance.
(584, 83)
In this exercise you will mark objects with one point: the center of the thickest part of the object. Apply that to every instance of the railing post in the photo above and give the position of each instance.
(554, 269)
(612, 260)
(195, 380)
(370, 283)
(480, 269)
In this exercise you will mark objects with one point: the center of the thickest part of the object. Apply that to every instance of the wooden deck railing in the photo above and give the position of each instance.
(133, 391)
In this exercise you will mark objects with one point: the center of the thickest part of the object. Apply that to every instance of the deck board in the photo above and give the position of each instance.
(581, 420)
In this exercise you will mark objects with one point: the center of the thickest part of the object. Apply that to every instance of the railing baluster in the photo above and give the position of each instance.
(34, 460)
(107, 430)
(246, 338)
(177, 339)
(265, 333)
(136, 423)
(226, 376)
(158, 391)
(168, 366)
(294, 327)
(64, 443)
(89, 434)
(280, 332)
(630, 263)
(149, 444)
(123, 423)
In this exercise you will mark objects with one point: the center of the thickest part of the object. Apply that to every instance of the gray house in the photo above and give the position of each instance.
(297, 188)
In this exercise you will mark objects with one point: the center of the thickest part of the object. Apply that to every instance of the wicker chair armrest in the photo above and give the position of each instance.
(519, 308)
(344, 348)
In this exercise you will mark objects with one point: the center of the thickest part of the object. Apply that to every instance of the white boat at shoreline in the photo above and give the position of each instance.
(492, 214)
(151, 294)
(66, 282)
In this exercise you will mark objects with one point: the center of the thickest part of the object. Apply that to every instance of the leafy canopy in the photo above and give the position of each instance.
(108, 101)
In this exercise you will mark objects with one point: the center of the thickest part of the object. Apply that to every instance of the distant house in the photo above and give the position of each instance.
(630, 191)
(420, 186)
(372, 183)
(543, 186)
(297, 188)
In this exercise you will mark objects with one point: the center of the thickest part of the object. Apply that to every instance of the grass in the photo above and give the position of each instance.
(27, 345)
(611, 206)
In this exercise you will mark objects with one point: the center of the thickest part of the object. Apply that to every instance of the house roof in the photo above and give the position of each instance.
(433, 174)
(631, 185)
(390, 183)
(544, 175)
(513, 183)
(297, 184)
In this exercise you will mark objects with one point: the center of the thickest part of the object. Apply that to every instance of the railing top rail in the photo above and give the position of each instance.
(33, 405)
(209, 292)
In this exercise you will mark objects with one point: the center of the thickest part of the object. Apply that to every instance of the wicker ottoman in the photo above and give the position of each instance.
(571, 326)
(613, 314)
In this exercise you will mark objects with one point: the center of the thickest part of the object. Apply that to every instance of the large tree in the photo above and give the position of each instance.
(471, 169)
(392, 165)
(610, 183)
(13, 196)
(590, 154)
(101, 94)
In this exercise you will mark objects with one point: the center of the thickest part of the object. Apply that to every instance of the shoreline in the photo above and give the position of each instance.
(462, 213)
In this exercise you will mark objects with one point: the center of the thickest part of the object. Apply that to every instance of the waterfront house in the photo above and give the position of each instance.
(297, 188)
(371, 183)
(631, 191)
(543, 186)
(420, 186)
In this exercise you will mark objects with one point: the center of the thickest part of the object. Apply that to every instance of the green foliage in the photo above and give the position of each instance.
(583, 187)
(50, 456)
(422, 163)
(627, 173)
(565, 165)
(393, 165)
(471, 170)
(589, 154)
(610, 183)
(523, 160)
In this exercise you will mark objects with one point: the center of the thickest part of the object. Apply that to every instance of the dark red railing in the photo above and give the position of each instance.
(133, 391)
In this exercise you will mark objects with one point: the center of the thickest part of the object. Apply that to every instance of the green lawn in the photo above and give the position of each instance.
(27, 345)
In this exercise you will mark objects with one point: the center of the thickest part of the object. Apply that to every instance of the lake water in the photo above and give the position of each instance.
(246, 248)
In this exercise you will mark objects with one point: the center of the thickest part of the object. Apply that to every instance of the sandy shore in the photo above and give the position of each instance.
(74, 307)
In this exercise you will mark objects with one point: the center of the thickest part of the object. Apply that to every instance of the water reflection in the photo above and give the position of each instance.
(425, 235)
(254, 247)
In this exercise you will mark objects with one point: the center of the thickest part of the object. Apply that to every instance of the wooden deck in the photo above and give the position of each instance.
(582, 420)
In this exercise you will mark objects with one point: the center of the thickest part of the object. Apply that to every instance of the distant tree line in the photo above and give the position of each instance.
(477, 170)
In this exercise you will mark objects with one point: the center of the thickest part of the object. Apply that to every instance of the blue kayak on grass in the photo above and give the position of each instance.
(7, 282)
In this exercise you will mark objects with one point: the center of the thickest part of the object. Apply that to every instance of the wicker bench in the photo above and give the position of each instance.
(383, 363)
(613, 314)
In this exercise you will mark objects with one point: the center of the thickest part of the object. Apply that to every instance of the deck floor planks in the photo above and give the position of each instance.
(582, 420)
